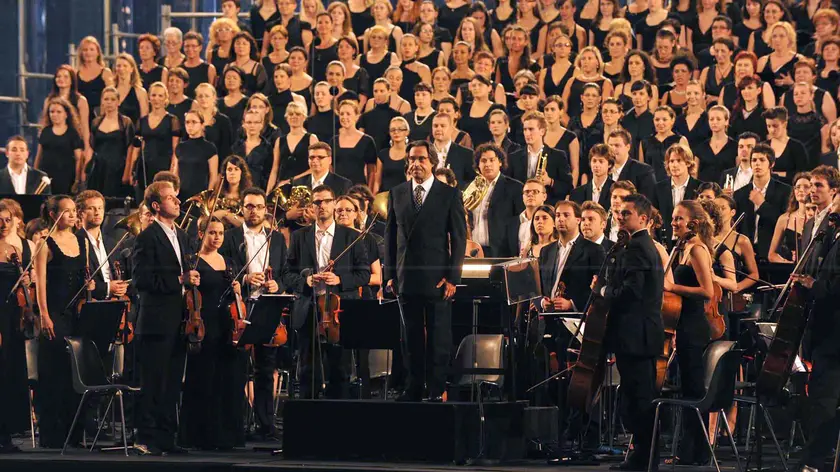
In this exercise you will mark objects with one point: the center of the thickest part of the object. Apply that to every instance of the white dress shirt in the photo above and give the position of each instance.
(763, 191)
(818, 219)
(442, 153)
(613, 236)
(255, 241)
(524, 230)
(617, 171)
(600, 239)
(320, 181)
(172, 236)
(562, 257)
(597, 189)
(533, 160)
(19, 180)
(323, 247)
(98, 248)
(481, 231)
(427, 186)
(678, 191)
(742, 178)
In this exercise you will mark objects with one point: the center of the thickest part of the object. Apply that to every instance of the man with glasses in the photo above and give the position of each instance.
(247, 247)
(311, 271)
(320, 163)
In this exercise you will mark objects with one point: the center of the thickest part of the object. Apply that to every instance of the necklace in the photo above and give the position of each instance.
(420, 122)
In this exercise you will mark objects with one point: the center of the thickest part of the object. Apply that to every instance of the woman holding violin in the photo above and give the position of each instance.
(14, 400)
(59, 268)
(211, 416)
(690, 276)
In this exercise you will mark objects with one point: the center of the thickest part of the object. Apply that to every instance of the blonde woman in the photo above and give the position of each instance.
(93, 75)
(291, 151)
(309, 11)
(217, 127)
(589, 68)
(134, 102)
(340, 15)
(220, 46)
(382, 11)
(777, 67)
(160, 132)
(278, 38)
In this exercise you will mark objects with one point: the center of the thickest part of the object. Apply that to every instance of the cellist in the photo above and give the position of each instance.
(310, 274)
(634, 331)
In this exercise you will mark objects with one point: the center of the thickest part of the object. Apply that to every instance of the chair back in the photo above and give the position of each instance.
(86, 366)
(379, 363)
(489, 354)
(721, 363)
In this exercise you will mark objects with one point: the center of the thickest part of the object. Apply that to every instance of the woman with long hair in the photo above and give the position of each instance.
(92, 73)
(553, 79)
(112, 135)
(263, 106)
(60, 146)
(637, 67)
(148, 49)
(460, 66)
(217, 127)
(750, 22)
(748, 109)
(160, 132)
(236, 178)
(340, 14)
(772, 12)
(264, 13)
(719, 152)
(475, 115)
(617, 43)
(245, 58)
(517, 56)
(468, 32)
(608, 10)
(739, 245)
(429, 53)
(558, 137)
(354, 152)
(441, 85)
(831, 146)
(543, 231)
(232, 100)
(220, 45)
(291, 151)
(66, 86)
(484, 28)
(355, 78)
(361, 17)
(786, 245)
(653, 149)
(134, 101)
(390, 163)
(527, 17)
(282, 97)
(197, 159)
(694, 121)
(413, 71)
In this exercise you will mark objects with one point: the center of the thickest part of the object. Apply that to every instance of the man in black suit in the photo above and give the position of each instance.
(96, 245)
(618, 191)
(161, 272)
(679, 186)
(17, 177)
(633, 289)
(501, 204)
(320, 162)
(738, 177)
(523, 164)
(425, 242)
(593, 222)
(601, 162)
(763, 201)
(639, 173)
(306, 273)
(499, 124)
(247, 245)
(451, 155)
(825, 181)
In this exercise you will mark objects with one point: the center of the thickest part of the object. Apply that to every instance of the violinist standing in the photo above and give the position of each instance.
(248, 243)
(14, 394)
(59, 269)
(160, 274)
(425, 243)
(312, 250)
(635, 332)
(211, 416)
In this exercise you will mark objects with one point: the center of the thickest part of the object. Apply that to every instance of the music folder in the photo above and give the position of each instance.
(264, 317)
(99, 321)
(370, 324)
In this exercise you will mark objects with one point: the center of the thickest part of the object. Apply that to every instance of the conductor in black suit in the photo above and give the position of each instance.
(161, 272)
(425, 241)
(500, 205)
(523, 163)
(451, 155)
(17, 177)
(306, 273)
(639, 173)
(634, 331)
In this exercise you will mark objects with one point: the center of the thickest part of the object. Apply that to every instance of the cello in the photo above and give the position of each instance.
(126, 331)
(588, 371)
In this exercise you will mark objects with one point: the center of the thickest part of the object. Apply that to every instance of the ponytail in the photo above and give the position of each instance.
(51, 207)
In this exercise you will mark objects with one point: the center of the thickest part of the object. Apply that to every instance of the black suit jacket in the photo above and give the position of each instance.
(423, 247)
(505, 206)
(828, 159)
(353, 268)
(339, 184)
(156, 272)
(775, 203)
(664, 202)
(101, 290)
(235, 248)
(33, 179)
(825, 322)
(460, 161)
(607, 244)
(634, 292)
(583, 263)
(584, 193)
(821, 248)
(556, 165)
(641, 175)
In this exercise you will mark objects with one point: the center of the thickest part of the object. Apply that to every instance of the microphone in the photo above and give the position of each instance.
(334, 91)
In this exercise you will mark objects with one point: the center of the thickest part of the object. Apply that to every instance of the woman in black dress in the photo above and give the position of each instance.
(263, 12)
(553, 79)
(232, 102)
(215, 377)
(375, 121)
(718, 153)
(197, 159)
(59, 270)
(360, 16)
(691, 277)
(588, 126)
(260, 103)
(787, 236)
(721, 72)
(112, 137)
(291, 151)
(246, 59)
(148, 48)
(805, 122)
(474, 116)
(390, 162)
(93, 75)
(173, 41)
(746, 114)
(217, 127)
(278, 39)
(356, 78)
(377, 58)
(236, 178)
(200, 72)
(256, 150)
(134, 102)
(354, 152)
(14, 394)
(652, 149)
(220, 44)
(694, 121)
(745, 66)
(776, 68)
(179, 103)
(590, 67)
(160, 132)
(429, 53)
(682, 70)
(325, 47)
(637, 67)
(791, 155)
(60, 146)
(381, 12)
(300, 32)
(772, 12)
(65, 85)
(283, 97)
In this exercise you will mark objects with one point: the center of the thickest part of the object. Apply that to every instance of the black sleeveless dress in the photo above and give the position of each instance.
(92, 91)
(576, 91)
(259, 160)
(14, 393)
(320, 58)
(58, 400)
(374, 69)
(193, 155)
(198, 75)
(220, 133)
(393, 172)
(655, 153)
(350, 162)
(410, 80)
(477, 127)
(220, 62)
(295, 161)
(556, 87)
(712, 165)
(109, 156)
(58, 157)
(712, 86)
(157, 153)
(130, 106)
(235, 113)
(154, 75)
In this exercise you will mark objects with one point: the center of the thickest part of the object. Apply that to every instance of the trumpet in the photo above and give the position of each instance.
(542, 161)
(475, 192)
(45, 181)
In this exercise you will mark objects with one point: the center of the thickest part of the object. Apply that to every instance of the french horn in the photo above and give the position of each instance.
(475, 192)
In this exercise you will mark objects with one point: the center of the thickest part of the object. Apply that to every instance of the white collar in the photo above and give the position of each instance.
(321, 179)
(246, 230)
(427, 184)
(22, 171)
(537, 152)
(91, 238)
(523, 217)
(169, 231)
(330, 229)
(684, 185)
(763, 189)
(570, 243)
(600, 239)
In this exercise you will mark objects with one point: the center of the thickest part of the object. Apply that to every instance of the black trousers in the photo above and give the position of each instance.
(693, 447)
(161, 370)
(332, 359)
(55, 387)
(638, 390)
(428, 332)
(265, 363)
(823, 396)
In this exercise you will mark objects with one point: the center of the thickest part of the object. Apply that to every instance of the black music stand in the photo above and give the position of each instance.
(264, 317)
(99, 321)
(370, 324)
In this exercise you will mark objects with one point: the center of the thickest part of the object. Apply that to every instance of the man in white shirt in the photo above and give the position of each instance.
(18, 178)
(533, 195)
(593, 223)
(618, 191)
(91, 208)
(825, 181)
(679, 186)
(501, 204)
(738, 177)
(451, 154)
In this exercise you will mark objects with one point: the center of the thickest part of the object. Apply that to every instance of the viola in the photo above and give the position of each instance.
(126, 331)
(280, 336)
(194, 324)
(238, 315)
(30, 323)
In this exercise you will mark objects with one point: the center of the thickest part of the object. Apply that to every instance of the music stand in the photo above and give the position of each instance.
(99, 321)
(370, 324)
(264, 317)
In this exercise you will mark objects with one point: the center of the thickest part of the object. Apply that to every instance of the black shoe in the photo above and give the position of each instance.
(174, 450)
(435, 399)
(409, 397)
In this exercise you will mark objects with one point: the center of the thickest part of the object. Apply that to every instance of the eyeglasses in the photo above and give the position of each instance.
(318, 203)
(398, 130)
(252, 207)
(312, 158)
(532, 192)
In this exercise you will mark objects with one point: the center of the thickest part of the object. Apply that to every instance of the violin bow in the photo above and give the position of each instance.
(37, 251)
(331, 265)
(98, 269)
(731, 229)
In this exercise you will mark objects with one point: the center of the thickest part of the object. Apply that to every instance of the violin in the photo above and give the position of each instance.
(280, 336)
(238, 315)
(126, 331)
(329, 307)
(194, 324)
(30, 323)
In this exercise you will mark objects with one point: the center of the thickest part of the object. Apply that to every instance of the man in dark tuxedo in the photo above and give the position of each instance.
(499, 124)
(96, 245)
(741, 175)
(161, 272)
(501, 204)
(451, 154)
(425, 242)
(763, 201)
(247, 245)
(679, 186)
(618, 191)
(306, 273)
(17, 177)
(593, 223)
(601, 163)
(523, 164)
(639, 173)
(825, 181)
(633, 289)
